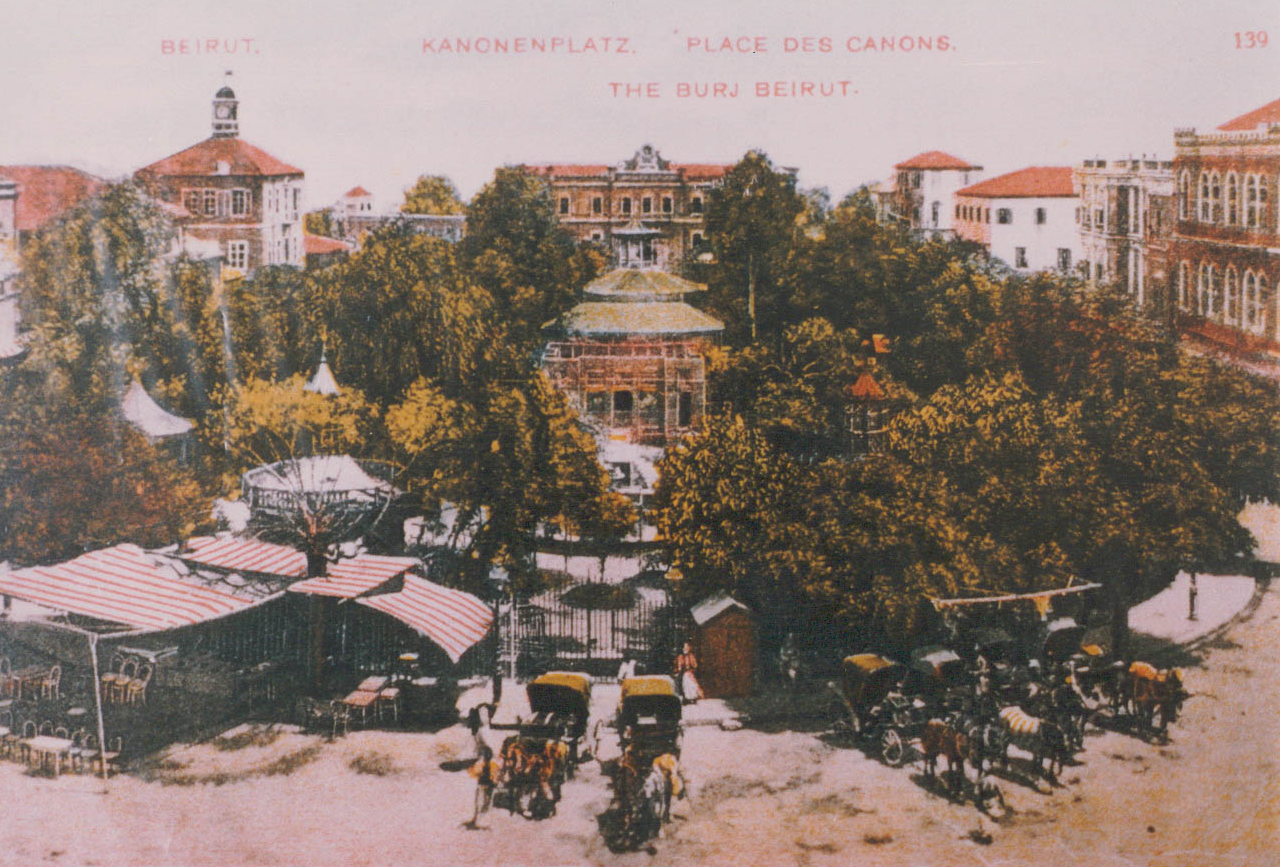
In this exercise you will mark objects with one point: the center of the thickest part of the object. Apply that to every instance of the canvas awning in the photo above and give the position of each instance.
(350, 578)
(149, 417)
(452, 619)
(246, 555)
(122, 585)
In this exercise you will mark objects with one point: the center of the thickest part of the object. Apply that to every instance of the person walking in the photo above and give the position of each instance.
(485, 771)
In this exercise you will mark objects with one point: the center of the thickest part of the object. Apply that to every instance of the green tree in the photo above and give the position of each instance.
(515, 249)
(319, 222)
(432, 194)
(72, 482)
(752, 224)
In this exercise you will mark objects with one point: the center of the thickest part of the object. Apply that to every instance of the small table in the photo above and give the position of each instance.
(361, 700)
(45, 745)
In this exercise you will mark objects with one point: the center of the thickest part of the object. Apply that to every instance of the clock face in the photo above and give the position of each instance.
(223, 111)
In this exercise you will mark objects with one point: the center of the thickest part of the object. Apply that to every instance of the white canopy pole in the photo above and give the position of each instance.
(97, 700)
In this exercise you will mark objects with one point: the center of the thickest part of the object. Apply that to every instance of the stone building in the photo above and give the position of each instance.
(1025, 218)
(1225, 251)
(648, 211)
(1125, 218)
(630, 357)
(236, 194)
(924, 190)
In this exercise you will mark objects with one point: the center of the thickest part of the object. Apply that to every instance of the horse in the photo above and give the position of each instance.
(1150, 691)
(1043, 738)
(939, 738)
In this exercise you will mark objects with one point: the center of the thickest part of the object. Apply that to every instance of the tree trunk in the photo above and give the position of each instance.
(1119, 619)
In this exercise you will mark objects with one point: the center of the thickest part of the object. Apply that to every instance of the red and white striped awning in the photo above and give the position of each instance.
(452, 619)
(348, 578)
(122, 585)
(246, 555)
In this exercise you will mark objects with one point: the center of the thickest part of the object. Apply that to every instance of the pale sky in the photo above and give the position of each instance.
(346, 92)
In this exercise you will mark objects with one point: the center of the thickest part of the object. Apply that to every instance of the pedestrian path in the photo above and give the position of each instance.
(1165, 615)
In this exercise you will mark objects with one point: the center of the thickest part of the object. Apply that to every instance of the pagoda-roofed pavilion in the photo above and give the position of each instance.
(629, 356)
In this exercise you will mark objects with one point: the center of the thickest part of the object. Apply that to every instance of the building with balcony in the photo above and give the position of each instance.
(235, 194)
(1125, 217)
(1025, 218)
(647, 211)
(924, 191)
(629, 358)
(1225, 251)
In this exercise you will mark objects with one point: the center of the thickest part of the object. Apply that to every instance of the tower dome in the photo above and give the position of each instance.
(225, 110)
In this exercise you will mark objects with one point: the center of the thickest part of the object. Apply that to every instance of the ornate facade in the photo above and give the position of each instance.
(1225, 252)
(1126, 219)
(648, 211)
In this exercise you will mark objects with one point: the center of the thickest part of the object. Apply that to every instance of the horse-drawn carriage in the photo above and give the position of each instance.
(873, 711)
(542, 754)
(647, 777)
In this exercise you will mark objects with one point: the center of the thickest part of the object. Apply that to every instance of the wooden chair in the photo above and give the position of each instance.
(8, 683)
(119, 684)
(341, 717)
(136, 689)
(389, 699)
(112, 754)
(112, 675)
(29, 730)
(49, 686)
(78, 757)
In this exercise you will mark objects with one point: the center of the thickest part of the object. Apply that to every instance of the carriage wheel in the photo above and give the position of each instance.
(892, 749)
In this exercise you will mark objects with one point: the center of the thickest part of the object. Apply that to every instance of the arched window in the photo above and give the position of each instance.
(1264, 304)
(1213, 300)
(1215, 197)
(1251, 201)
(1184, 195)
(1262, 203)
(1250, 302)
(1206, 211)
(1184, 286)
(1233, 199)
(1231, 286)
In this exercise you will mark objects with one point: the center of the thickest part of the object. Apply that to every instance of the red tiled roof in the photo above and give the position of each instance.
(47, 192)
(356, 191)
(569, 170)
(1033, 182)
(699, 171)
(866, 388)
(316, 244)
(203, 158)
(935, 160)
(1269, 113)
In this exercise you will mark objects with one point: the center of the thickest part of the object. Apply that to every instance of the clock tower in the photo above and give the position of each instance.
(225, 108)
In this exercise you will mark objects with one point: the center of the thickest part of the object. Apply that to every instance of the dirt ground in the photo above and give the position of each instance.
(790, 797)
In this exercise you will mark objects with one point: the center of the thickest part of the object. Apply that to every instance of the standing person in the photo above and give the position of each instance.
(485, 771)
(1192, 592)
(686, 674)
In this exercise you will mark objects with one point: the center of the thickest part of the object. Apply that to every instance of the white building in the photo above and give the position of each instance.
(1026, 218)
(925, 187)
(1126, 219)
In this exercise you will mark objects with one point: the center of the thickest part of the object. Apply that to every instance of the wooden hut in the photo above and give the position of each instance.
(725, 642)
